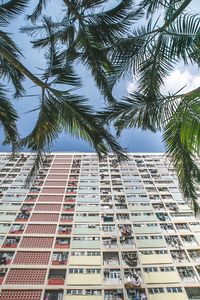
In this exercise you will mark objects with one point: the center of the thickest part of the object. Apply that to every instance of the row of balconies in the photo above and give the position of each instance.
(109, 259)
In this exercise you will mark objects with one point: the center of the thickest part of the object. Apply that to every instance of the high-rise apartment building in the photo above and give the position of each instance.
(96, 230)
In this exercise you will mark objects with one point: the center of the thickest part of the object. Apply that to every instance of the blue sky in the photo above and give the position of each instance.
(132, 140)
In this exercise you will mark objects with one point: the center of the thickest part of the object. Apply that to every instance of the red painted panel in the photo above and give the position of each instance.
(26, 276)
(36, 242)
(44, 217)
(41, 228)
(20, 295)
(31, 258)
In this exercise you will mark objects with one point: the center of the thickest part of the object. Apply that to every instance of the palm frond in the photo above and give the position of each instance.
(7, 70)
(181, 36)
(8, 118)
(138, 111)
(38, 10)
(115, 22)
(11, 9)
(182, 139)
(152, 6)
(64, 111)
(90, 4)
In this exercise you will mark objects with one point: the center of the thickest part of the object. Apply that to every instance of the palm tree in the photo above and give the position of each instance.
(151, 52)
(61, 109)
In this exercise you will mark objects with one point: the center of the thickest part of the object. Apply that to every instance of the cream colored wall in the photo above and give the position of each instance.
(155, 259)
(147, 229)
(85, 260)
(84, 279)
(161, 277)
(168, 296)
(88, 297)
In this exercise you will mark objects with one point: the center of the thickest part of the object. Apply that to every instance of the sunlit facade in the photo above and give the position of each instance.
(96, 230)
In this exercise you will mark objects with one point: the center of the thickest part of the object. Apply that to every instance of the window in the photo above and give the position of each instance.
(148, 270)
(147, 252)
(156, 290)
(174, 290)
(167, 269)
(76, 271)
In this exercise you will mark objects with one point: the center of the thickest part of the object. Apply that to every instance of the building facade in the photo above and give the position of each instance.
(96, 230)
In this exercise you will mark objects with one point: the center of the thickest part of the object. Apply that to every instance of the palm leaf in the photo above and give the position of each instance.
(11, 9)
(8, 118)
(64, 111)
(38, 10)
(182, 140)
(7, 70)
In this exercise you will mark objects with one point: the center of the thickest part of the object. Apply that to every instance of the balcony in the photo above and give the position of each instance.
(30, 198)
(182, 227)
(195, 255)
(6, 258)
(158, 207)
(59, 258)
(138, 294)
(108, 230)
(125, 230)
(11, 242)
(34, 190)
(113, 295)
(26, 208)
(120, 207)
(70, 199)
(112, 276)
(133, 278)
(179, 256)
(162, 217)
(118, 190)
(109, 242)
(189, 241)
(123, 218)
(64, 229)
(66, 218)
(172, 206)
(119, 199)
(105, 191)
(2, 275)
(127, 242)
(37, 183)
(130, 259)
(173, 241)
(53, 295)
(110, 258)
(167, 228)
(68, 208)
(107, 208)
(193, 293)
(72, 184)
(56, 277)
(71, 191)
(187, 274)
(17, 228)
(107, 218)
(62, 243)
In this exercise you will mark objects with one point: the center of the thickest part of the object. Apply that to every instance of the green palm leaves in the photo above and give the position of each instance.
(159, 50)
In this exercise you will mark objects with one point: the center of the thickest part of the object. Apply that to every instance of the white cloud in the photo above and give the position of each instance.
(179, 79)
(174, 82)
(131, 85)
